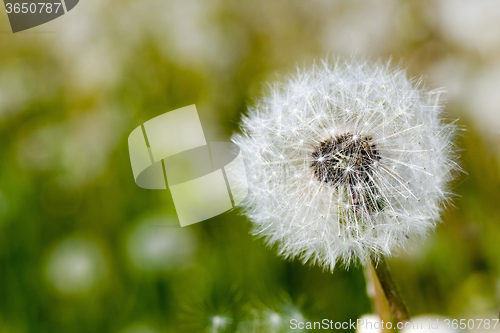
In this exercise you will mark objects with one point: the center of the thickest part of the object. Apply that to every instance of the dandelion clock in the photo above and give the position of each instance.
(346, 161)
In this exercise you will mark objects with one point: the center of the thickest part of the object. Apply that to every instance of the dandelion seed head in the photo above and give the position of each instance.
(341, 178)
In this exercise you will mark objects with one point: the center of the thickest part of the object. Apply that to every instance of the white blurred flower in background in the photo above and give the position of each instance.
(218, 323)
(483, 99)
(86, 48)
(95, 45)
(472, 24)
(472, 74)
(76, 265)
(195, 34)
(159, 244)
(369, 28)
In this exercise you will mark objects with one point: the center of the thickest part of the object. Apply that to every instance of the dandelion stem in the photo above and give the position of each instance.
(391, 291)
(375, 292)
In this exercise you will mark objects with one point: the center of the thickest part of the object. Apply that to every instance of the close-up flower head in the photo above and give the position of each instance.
(346, 160)
(259, 166)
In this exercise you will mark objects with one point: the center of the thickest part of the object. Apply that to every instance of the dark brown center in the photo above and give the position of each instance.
(346, 159)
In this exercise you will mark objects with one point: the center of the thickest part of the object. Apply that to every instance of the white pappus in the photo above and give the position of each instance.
(345, 161)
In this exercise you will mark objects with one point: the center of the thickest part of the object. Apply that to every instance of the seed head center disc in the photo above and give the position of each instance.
(346, 159)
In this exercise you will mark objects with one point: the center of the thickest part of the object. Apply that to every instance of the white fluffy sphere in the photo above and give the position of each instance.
(345, 160)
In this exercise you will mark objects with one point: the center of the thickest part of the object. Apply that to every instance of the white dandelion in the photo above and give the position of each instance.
(345, 161)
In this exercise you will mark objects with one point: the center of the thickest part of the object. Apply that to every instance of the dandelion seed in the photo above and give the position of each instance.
(362, 140)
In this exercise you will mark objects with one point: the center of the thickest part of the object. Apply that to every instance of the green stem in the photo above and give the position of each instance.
(391, 291)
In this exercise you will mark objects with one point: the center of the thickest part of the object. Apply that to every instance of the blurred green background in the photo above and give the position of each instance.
(83, 249)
